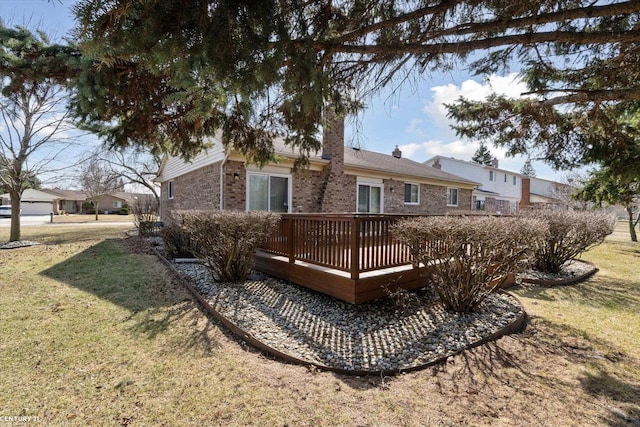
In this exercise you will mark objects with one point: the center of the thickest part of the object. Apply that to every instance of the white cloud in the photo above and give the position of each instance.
(509, 85)
(415, 128)
(459, 149)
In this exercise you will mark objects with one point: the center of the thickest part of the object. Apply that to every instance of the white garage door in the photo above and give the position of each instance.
(36, 208)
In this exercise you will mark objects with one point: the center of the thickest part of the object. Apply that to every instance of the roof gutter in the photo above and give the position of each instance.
(226, 156)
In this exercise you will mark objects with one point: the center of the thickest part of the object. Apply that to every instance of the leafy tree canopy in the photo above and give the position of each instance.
(172, 73)
(482, 155)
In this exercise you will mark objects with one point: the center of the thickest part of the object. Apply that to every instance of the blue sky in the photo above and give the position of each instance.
(412, 117)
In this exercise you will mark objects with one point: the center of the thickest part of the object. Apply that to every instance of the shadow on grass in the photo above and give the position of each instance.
(597, 291)
(139, 284)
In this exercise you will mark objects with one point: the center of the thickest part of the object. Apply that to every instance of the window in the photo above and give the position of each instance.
(117, 204)
(412, 194)
(369, 198)
(514, 180)
(170, 190)
(500, 206)
(480, 205)
(505, 178)
(267, 192)
(452, 197)
(492, 176)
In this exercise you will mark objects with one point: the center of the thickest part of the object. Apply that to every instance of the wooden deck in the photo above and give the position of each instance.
(351, 257)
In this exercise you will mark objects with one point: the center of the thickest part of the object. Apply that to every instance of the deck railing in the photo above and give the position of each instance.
(354, 243)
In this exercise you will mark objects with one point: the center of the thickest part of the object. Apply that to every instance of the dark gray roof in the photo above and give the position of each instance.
(385, 163)
(397, 166)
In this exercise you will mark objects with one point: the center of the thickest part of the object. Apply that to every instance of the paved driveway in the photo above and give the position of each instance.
(26, 220)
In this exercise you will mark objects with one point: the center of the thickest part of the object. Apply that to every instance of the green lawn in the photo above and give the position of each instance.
(92, 334)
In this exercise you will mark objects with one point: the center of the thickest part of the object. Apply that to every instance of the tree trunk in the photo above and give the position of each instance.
(632, 225)
(96, 205)
(14, 235)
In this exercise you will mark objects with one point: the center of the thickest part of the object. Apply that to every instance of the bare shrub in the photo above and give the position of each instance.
(227, 240)
(469, 256)
(145, 215)
(570, 234)
(177, 242)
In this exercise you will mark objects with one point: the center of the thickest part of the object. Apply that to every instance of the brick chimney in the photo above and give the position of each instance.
(396, 153)
(525, 199)
(335, 196)
(436, 164)
(494, 162)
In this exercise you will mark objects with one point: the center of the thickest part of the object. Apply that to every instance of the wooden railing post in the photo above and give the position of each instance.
(355, 248)
(291, 241)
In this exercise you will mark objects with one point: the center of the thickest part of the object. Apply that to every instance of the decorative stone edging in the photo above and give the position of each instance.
(563, 282)
(514, 326)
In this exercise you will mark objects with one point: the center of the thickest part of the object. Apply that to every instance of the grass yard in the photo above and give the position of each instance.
(91, 218)
(94, 331)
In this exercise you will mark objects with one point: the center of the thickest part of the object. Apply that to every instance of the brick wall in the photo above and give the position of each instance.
(306, 187)
(235, 186)
(199, 189)
(433, 199)
(337, 193)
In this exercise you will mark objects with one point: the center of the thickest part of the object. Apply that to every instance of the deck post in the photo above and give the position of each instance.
(291, 240)
(355, 248)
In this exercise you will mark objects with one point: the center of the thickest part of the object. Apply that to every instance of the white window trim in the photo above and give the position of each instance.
(457, 196)
(281, 175)
(371, 184)
(411, 203)
(170, 190)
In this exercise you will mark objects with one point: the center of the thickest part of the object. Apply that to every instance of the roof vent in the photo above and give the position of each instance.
(397, 153)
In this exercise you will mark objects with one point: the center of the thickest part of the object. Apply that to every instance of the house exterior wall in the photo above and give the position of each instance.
(198, 189)
(432, 199)
(508, 195)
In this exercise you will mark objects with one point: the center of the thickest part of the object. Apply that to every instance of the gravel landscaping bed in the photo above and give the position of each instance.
(572, 272)
(378, 336)
(18, 244)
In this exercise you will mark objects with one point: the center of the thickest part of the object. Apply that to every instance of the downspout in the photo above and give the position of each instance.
(226, 155)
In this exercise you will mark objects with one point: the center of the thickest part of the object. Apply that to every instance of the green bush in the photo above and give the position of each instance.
(469, 256)
(177, 242)
(227, 240)
(570, 234)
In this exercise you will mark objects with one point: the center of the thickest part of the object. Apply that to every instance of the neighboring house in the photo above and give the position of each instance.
(34, 202)
(543, 193)
(340, 180)
(113, 202)
(500, 190)
(70, 201)
(47, 200)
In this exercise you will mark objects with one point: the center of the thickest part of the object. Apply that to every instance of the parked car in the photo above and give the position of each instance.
(5, 211)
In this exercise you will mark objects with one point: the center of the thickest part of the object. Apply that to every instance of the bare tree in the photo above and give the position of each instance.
(98, 180)
(32, 139)
(136, 165)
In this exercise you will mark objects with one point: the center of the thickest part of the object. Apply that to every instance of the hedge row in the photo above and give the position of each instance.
(469, 256)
